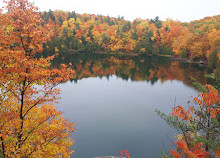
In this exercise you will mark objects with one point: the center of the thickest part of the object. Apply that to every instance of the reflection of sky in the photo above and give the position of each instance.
(113, 115)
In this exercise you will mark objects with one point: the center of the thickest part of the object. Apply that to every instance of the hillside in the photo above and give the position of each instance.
(75, 32)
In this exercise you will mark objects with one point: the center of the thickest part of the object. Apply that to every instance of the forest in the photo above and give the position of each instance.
(31, 125)
(195, 40)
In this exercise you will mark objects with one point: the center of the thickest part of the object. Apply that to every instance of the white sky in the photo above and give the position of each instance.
(183, 10)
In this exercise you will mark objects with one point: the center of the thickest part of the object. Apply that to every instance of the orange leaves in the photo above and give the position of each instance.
(29, 127)
(180, 112)
(208, 100)
(99, 28)
(27, 29)
(196, 152)
(64, 73)
(197, 146)
(78, 34)
(199, 38)
(196, 100)
(207, 110)
(182, 145)
(215, 112)
(175, 154)
(111, 31)
(217, 152)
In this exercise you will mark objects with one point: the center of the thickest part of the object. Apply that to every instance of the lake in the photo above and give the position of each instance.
(112, 102)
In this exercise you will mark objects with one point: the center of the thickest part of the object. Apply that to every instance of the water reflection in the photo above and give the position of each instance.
(135, 68)
(113, 99)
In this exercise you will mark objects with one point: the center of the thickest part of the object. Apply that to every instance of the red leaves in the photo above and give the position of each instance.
(217, 152)
(175, 154)
(124, 152)
(197, 146)
(208, 107)
(215, 112)
(182, 145)
(99, 28)
(78, 34)
(208, 99)
(205, 100)
(196, 152)
(180, 112)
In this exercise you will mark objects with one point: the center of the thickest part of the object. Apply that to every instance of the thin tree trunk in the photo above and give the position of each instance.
(3, 147)
(21, 113)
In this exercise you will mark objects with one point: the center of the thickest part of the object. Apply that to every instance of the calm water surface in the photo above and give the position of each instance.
(112, 102)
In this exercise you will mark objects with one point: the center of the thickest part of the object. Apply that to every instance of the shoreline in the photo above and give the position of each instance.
(173, 58)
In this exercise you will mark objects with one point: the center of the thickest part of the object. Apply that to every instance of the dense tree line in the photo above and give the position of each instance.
(75, 32)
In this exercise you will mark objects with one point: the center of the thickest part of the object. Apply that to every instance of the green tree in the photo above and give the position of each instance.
(213, 59)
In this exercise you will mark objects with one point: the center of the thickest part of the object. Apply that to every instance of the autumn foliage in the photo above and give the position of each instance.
(195, 40)
(203, 118)
(196, 152)
(30, 125)
(124, 153)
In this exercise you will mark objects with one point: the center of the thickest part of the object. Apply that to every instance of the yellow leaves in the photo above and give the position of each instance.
(65, 24)
(179, 137)
(71, 21)
(144, 24)
(44, 130)
(143, 50)
(78, 21)
(56, 49)
(9, 29)
(211, 28)
(32, 47)
(23, 76)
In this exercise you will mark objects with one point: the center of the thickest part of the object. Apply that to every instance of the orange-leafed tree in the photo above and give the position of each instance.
(199, 126)
(30, 125)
